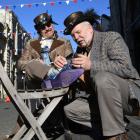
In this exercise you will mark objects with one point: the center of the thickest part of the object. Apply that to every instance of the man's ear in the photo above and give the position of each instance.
(90, 28)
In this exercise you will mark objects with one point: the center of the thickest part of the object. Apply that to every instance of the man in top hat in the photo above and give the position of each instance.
(109, 77)
(46, 55)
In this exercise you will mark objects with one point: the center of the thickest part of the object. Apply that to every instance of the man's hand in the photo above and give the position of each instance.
(60, 61)
(81, 61)
(41, 61)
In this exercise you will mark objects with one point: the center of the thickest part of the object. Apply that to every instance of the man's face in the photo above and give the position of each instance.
(82, 34)
(47, 30)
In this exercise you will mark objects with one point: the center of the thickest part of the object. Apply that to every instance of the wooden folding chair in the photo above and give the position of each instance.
(27, 132)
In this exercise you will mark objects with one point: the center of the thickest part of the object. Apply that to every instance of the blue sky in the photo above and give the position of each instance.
(59, 11)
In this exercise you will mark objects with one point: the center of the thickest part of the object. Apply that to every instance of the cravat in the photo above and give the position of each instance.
(45, 55)
(45, 48)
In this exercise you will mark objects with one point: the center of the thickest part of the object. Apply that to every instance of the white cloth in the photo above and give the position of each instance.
(46, 42)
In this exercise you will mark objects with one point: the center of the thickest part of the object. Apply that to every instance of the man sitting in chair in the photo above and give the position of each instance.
(44, 58)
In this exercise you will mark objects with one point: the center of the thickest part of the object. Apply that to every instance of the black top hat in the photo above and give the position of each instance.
(43, 19)
(77, 17)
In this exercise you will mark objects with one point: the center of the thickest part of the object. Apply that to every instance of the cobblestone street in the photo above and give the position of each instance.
(8, 117)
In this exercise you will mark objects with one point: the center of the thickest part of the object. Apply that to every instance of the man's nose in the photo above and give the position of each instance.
(47, 28)
(76, 36)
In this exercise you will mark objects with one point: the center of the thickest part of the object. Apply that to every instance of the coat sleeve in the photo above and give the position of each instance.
(68, 49)
(26, 56)
(118, 61)
(36, 70)
(30, 63)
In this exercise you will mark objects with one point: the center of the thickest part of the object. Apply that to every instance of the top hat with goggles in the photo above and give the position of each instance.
(43, 20)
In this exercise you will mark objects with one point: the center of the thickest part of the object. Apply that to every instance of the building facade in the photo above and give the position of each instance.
(12, 41)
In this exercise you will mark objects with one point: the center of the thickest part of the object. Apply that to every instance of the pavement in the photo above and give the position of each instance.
(8, 118)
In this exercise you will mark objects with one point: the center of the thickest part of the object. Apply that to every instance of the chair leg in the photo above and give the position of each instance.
(68, 135)
(135, 106)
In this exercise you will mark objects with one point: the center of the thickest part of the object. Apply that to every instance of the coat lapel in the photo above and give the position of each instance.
(36, 45)
(96, 46)
(53, 51)
(56, 43)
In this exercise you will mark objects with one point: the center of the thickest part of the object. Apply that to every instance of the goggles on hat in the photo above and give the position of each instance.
(43, 26)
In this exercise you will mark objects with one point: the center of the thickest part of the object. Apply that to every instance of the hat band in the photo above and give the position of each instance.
(72, 24)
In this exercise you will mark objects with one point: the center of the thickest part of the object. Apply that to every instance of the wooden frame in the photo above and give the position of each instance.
(18, 100)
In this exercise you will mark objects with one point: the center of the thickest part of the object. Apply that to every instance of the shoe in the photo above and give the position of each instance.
(63, 79)
(122, 136)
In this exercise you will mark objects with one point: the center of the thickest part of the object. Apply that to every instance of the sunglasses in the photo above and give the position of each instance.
(43, 26)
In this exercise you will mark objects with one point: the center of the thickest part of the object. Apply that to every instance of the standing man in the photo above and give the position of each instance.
(109, 76)
(42, 57)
